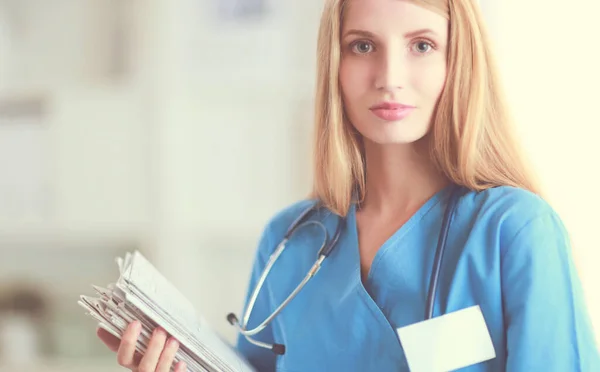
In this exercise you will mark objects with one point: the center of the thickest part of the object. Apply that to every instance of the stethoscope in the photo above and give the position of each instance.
(326, 248)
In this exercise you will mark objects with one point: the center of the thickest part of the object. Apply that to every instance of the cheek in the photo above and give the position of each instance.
(353, 79)
(345, 79)
(431, 80)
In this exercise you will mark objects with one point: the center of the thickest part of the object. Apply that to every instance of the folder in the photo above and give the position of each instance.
(143, 293)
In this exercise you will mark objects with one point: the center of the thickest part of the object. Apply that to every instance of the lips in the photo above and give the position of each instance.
(392, 111)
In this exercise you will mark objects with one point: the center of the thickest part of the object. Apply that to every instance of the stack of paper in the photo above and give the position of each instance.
(142, 293)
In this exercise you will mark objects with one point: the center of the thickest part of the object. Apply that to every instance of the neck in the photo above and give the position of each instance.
(400, 178)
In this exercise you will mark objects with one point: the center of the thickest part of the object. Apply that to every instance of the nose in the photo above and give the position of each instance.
(392, 70)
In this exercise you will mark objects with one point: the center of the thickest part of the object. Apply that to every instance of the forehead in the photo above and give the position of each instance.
(384, 16)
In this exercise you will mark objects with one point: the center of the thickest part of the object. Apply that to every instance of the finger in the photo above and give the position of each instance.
(181, 367)
(108, 339)
(155, 348)
(137, 358)
(126, 351)
(168, 355)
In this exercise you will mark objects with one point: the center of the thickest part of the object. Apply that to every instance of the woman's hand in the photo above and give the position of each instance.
(158, 357)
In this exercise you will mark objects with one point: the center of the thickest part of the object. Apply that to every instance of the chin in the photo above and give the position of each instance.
(397, 133)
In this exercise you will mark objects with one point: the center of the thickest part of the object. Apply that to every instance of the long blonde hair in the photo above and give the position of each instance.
(471, 138)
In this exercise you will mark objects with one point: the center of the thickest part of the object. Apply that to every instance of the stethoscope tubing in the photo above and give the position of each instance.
(324, 251)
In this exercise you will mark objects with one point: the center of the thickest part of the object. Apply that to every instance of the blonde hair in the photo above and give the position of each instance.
(471, 138)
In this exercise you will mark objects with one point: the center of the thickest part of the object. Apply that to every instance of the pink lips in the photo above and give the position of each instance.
(392, 111)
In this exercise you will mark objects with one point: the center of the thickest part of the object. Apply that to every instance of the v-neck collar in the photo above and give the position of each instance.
(390, 242)
(347, 261)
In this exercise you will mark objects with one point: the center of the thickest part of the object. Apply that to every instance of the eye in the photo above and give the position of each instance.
(422, 47)
(362, 47)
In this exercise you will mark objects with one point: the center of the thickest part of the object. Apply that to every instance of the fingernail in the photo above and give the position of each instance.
(173, 342)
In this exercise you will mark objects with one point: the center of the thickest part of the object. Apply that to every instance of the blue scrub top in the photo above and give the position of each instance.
(507, 251)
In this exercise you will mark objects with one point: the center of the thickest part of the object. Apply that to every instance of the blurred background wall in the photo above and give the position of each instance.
(179, 127)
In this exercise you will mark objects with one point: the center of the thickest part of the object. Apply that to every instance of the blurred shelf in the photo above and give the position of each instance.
(42, 239)
(66, 365)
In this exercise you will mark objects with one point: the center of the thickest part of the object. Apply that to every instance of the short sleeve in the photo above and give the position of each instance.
(548, 327)
(262, 359)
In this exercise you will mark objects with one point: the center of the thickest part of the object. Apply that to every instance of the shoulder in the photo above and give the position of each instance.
(508, 201)
(511, 212)
(281, 220)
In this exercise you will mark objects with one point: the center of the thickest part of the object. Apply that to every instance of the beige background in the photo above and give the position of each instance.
(167, 130)
(550, 64)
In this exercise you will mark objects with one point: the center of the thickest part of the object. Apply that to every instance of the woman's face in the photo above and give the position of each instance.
(393, 68)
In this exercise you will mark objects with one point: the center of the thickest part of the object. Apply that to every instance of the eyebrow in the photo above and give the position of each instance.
(408, 35)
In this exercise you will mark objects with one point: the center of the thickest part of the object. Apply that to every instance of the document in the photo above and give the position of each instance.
(143, 293)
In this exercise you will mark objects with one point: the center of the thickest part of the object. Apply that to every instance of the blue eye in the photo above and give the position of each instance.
(422, 47)
(362, 47)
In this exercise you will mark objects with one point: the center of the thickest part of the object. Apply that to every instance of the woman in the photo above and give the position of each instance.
(409, 108)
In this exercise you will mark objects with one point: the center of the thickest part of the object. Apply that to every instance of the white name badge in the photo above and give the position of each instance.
(448, 342)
